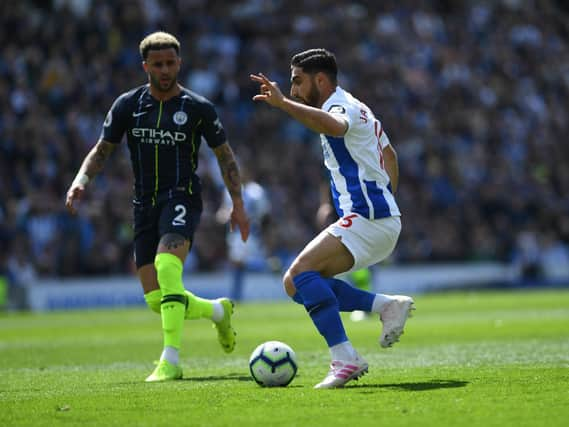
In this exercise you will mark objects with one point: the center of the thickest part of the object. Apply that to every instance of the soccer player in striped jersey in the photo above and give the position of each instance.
(164, 124)
(363, 177)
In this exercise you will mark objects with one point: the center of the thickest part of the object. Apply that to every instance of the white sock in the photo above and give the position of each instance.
(170, 354)
(379, 302)
(218, 311)
(343, 351)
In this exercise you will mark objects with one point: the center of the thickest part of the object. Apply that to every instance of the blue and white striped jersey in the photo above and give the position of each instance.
(358, 179)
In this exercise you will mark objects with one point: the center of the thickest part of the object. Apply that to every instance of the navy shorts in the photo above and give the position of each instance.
(179, 214)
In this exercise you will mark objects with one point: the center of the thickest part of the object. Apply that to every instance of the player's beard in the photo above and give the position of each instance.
(157, 84)
(313, 97)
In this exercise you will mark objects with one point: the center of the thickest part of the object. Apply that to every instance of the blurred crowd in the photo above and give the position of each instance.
(474, 96)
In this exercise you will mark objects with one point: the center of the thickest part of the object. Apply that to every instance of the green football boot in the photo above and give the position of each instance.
(165, 371)
(225, 332)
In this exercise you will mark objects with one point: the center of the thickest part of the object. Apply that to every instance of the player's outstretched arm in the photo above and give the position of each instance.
(232, 179)
(92, 164)
(313, 118)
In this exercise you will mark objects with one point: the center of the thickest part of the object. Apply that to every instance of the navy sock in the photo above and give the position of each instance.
(322, 306)
(349, 297)
(297, 298)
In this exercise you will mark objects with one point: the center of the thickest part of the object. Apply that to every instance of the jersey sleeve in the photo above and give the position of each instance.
(213, 131)
(383, 138)
(115, 124)
(344, 111)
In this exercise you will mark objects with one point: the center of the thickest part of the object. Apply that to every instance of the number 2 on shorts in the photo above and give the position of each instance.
(179, 219)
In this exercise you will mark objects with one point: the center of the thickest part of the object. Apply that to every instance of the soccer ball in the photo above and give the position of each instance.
(272, 364)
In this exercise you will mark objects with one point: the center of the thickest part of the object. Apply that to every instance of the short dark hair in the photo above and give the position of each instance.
(157, 41)
(313, 61)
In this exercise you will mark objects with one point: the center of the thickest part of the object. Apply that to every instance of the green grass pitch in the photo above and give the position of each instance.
(466, 359)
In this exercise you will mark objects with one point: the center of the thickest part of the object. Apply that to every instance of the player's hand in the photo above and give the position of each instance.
(269, 91)
(75, 192)
(239, 218)
(325, 215)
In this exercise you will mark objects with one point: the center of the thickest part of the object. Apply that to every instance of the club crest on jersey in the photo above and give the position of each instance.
(180, 118)
(337, 109)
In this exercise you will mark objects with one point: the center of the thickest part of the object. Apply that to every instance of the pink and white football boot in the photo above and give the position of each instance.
(393, 316)
(341, 372)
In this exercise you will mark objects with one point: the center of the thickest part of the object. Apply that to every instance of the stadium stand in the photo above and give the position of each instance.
(474, 96)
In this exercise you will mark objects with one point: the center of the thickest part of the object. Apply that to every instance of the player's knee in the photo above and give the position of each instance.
(288, 284)
(313, 291)
(290, 289)
(300, 265)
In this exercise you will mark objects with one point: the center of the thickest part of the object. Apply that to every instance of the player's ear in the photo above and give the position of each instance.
(145, 66)
(320, 79)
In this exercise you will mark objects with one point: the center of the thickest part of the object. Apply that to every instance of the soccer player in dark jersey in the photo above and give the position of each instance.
(164, 124)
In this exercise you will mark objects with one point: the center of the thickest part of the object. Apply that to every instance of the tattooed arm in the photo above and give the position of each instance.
(92, 165)
(230, 173)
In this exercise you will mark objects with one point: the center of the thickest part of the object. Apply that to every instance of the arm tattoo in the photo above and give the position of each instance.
(96, 159)
(101, 154)
(229, 169)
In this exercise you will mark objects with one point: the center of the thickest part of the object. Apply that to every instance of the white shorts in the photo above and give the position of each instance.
(369, 241)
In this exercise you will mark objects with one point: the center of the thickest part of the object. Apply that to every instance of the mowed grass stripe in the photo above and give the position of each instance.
(482, 358)
(547, 352)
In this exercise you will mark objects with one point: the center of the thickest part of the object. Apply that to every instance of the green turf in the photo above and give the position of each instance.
(485, 359)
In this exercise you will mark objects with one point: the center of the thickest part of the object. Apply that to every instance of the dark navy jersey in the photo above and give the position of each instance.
(164, 139)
